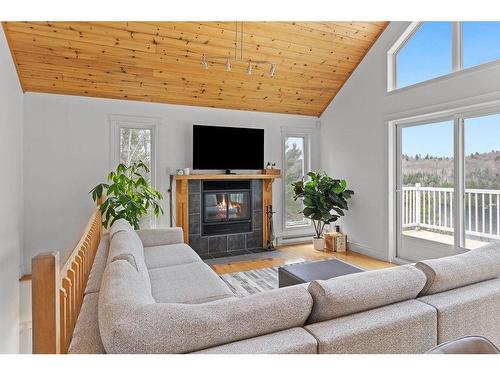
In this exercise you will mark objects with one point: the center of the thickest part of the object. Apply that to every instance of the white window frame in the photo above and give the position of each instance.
(307, 135)
(456, 57)
(457, 115)
(118, 122)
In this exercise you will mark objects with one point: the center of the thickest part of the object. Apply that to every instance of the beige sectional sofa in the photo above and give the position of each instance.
(150, 293)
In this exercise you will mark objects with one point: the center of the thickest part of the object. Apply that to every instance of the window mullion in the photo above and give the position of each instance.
(458, 200)
(456, 46)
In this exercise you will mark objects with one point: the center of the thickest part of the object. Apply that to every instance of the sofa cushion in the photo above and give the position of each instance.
(125, 244)
(363, 291)
(461, 270)
(290, 341)
(169, 255)
(131, 324)
(119, 226)
(86, 335)
(469, 310)
(405, 327)
(160, 236)
(128, 257)
(122, 290)
(187, 283)
(100, 259)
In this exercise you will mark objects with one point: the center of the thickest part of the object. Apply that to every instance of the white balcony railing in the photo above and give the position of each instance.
(432, 208)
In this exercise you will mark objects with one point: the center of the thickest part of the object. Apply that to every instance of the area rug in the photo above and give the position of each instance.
(255, 281)
(250, 282)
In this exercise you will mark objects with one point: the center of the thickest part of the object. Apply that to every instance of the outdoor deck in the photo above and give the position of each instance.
(442, 238)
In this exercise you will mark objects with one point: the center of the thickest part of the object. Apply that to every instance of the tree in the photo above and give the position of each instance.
(294, 160)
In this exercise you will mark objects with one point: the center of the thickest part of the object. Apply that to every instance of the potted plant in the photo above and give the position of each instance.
(128, 195)
(325, 200)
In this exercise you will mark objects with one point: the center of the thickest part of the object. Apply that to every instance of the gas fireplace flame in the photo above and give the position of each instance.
(223, 206)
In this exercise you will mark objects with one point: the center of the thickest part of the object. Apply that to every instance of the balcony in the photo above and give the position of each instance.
(427, 213)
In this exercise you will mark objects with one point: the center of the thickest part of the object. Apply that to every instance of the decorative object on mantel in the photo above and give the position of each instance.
(270, 165)
(205, 60)
(270, 240)
(129, 196)
(271, 169)
(325, 200)
(180, 172)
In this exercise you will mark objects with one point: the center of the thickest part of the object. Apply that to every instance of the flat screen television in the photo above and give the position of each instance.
(222, 147)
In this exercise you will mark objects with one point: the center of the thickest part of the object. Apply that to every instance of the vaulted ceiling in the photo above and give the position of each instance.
(160, 61)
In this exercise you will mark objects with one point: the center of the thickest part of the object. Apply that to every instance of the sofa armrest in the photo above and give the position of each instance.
(160, 236)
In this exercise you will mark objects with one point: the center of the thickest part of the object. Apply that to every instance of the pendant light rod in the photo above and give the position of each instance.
(236, 41)
(241, 45)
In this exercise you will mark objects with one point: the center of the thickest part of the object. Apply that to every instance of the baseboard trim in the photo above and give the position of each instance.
(294, 240)
(368, 251)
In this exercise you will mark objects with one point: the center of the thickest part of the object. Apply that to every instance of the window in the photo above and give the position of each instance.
(427, 176)
(428, 50)
(295, 162)
(135, 145)
(133, 139)
(481, 42)
(426, 55)
(448, 183)
(482, 180)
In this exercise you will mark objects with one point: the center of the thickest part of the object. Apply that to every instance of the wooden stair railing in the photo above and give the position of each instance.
(57, 292)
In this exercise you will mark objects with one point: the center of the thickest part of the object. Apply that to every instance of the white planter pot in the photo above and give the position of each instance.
(319, 243)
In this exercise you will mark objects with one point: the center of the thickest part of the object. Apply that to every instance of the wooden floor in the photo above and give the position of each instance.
(301, 253)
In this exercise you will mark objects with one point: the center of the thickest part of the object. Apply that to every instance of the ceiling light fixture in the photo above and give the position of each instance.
(238, 57)
(204, 62)
(272, 70)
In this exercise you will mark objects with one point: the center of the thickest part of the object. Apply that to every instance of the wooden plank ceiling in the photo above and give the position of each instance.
(160, 61)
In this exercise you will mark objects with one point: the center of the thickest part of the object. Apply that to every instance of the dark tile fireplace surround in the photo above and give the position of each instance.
(225, 217)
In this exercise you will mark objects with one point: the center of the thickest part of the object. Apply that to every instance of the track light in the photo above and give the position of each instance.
(228, 59)
(272, 70)
(204, 62)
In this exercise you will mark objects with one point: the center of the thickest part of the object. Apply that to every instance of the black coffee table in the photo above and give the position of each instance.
(294, 274)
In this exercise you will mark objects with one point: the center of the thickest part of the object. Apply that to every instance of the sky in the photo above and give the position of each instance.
(481, 134)
(428, 55)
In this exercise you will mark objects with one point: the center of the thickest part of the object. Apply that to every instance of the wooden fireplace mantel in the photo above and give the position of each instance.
(182, 197)
(226, 177)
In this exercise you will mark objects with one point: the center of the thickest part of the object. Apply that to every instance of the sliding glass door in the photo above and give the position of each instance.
(482, 180)
(426, 191)
(447, 185)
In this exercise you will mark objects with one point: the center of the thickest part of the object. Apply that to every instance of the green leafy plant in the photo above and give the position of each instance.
(128, 195)
(324, 198)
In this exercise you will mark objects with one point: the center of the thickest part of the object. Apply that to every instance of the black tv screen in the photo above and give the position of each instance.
(222, 147)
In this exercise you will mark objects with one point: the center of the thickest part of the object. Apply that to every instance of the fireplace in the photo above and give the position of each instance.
(224, 215)
(226, 207)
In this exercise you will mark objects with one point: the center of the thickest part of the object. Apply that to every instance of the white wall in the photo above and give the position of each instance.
(11, 132)
(67, 152)
(355, 132)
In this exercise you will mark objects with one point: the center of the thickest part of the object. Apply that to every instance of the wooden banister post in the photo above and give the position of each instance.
(45, 303)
